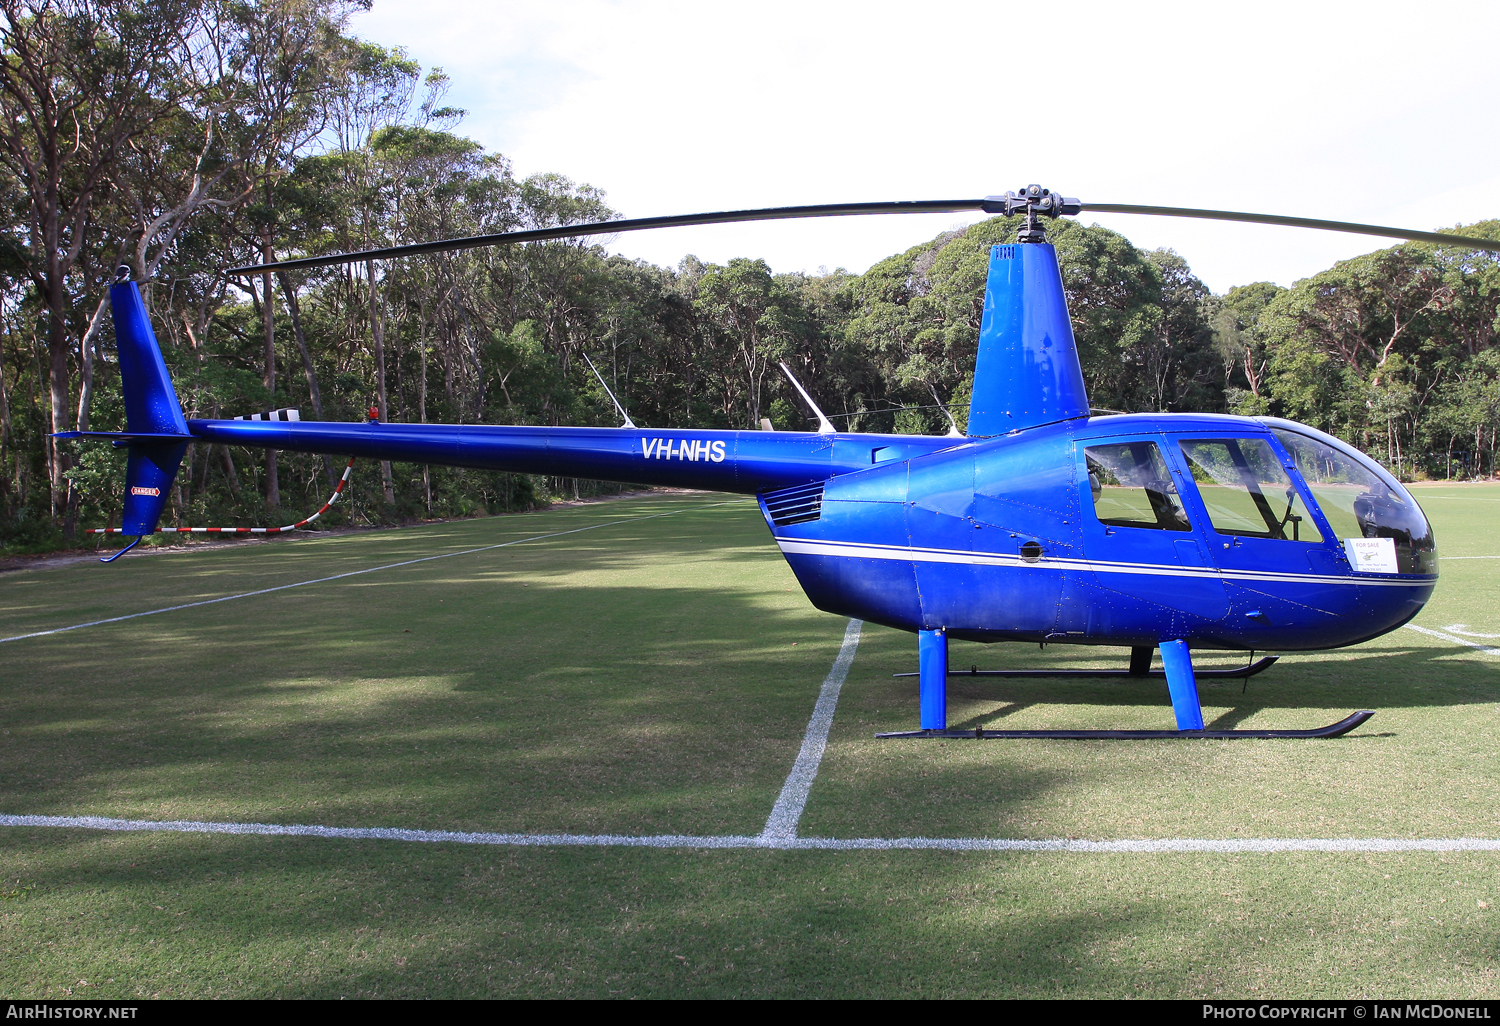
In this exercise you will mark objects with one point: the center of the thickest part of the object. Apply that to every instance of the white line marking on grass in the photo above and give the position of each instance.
(1469, 557)
(354, 573)
(785, 814)
(182, 826)
(780, 831)
(1463, 628)
(1486, 649)
(1224, 846)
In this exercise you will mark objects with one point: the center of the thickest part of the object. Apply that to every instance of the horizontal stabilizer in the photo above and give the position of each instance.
(125, 436)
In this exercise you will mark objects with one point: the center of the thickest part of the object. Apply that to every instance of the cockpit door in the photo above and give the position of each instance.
(1263, 535)
(1139, 537)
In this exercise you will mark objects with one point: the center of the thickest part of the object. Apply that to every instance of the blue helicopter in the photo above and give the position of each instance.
(1044, 523)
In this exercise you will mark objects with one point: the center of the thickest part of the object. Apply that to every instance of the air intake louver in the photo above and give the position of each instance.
(797, 505)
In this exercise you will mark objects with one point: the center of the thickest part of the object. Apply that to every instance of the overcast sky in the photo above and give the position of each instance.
(1371, 112)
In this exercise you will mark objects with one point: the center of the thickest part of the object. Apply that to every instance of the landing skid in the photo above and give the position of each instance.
(1237, 673)
(1177, 668)
(1338, 729)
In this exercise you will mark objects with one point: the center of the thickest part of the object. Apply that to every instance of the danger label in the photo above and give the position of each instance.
(137, 490)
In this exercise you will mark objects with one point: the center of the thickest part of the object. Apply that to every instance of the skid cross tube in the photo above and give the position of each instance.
(1234, 673)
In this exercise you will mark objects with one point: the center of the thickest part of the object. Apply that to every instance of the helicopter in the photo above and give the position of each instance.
(1042, 523)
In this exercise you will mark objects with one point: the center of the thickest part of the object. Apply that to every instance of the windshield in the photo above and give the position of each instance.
(1362, 501)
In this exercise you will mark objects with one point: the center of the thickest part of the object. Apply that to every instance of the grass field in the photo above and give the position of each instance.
(653, 673)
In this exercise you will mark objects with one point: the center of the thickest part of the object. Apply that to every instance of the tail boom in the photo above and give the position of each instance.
(746, 462)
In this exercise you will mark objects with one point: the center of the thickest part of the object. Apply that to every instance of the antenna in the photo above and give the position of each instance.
(628, 422)
(953, 431)
(825, 426)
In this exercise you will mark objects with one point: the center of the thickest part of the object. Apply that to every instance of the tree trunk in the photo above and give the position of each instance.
(376, 334)
(422, 403)
(57, 375)
(314, 394)
(185, 475)
(4, 416)
(268, 320)
(230, 472)
(86, 362)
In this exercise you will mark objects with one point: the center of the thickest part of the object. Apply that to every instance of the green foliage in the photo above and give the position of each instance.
(316, 142)
(1393, 350)
(1140, 321)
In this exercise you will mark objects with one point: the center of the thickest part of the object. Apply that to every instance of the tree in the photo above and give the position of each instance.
(1241, 344)
(1349, 344)
(1176, 360)
(918, 315)
(750, 315)
(80, 81)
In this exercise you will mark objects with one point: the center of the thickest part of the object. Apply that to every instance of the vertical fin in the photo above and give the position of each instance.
(1027, 372)
(149, 474)
(151, 407)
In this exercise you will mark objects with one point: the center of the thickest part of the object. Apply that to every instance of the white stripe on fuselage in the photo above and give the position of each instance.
(856, 550)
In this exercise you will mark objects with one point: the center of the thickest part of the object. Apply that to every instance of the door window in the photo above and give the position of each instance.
(1246, 492)
(1132, 487)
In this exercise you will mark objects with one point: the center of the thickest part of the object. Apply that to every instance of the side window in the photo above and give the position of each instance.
(1132, 487)
(1246, 492)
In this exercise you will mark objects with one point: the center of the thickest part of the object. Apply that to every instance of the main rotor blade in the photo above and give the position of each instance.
(843, 210)
(1298, 222)
(612, 227)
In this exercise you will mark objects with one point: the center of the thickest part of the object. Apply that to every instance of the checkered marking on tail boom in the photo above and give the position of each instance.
(287, 414)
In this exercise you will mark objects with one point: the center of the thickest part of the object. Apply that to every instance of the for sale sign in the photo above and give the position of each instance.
(1372, 555)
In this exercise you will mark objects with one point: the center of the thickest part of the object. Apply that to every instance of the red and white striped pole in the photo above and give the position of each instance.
(337, 491)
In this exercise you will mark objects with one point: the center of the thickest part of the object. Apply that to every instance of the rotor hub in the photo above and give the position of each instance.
(1033, 201)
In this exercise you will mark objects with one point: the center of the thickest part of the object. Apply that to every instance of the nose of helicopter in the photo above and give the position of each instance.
(1389, 605)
